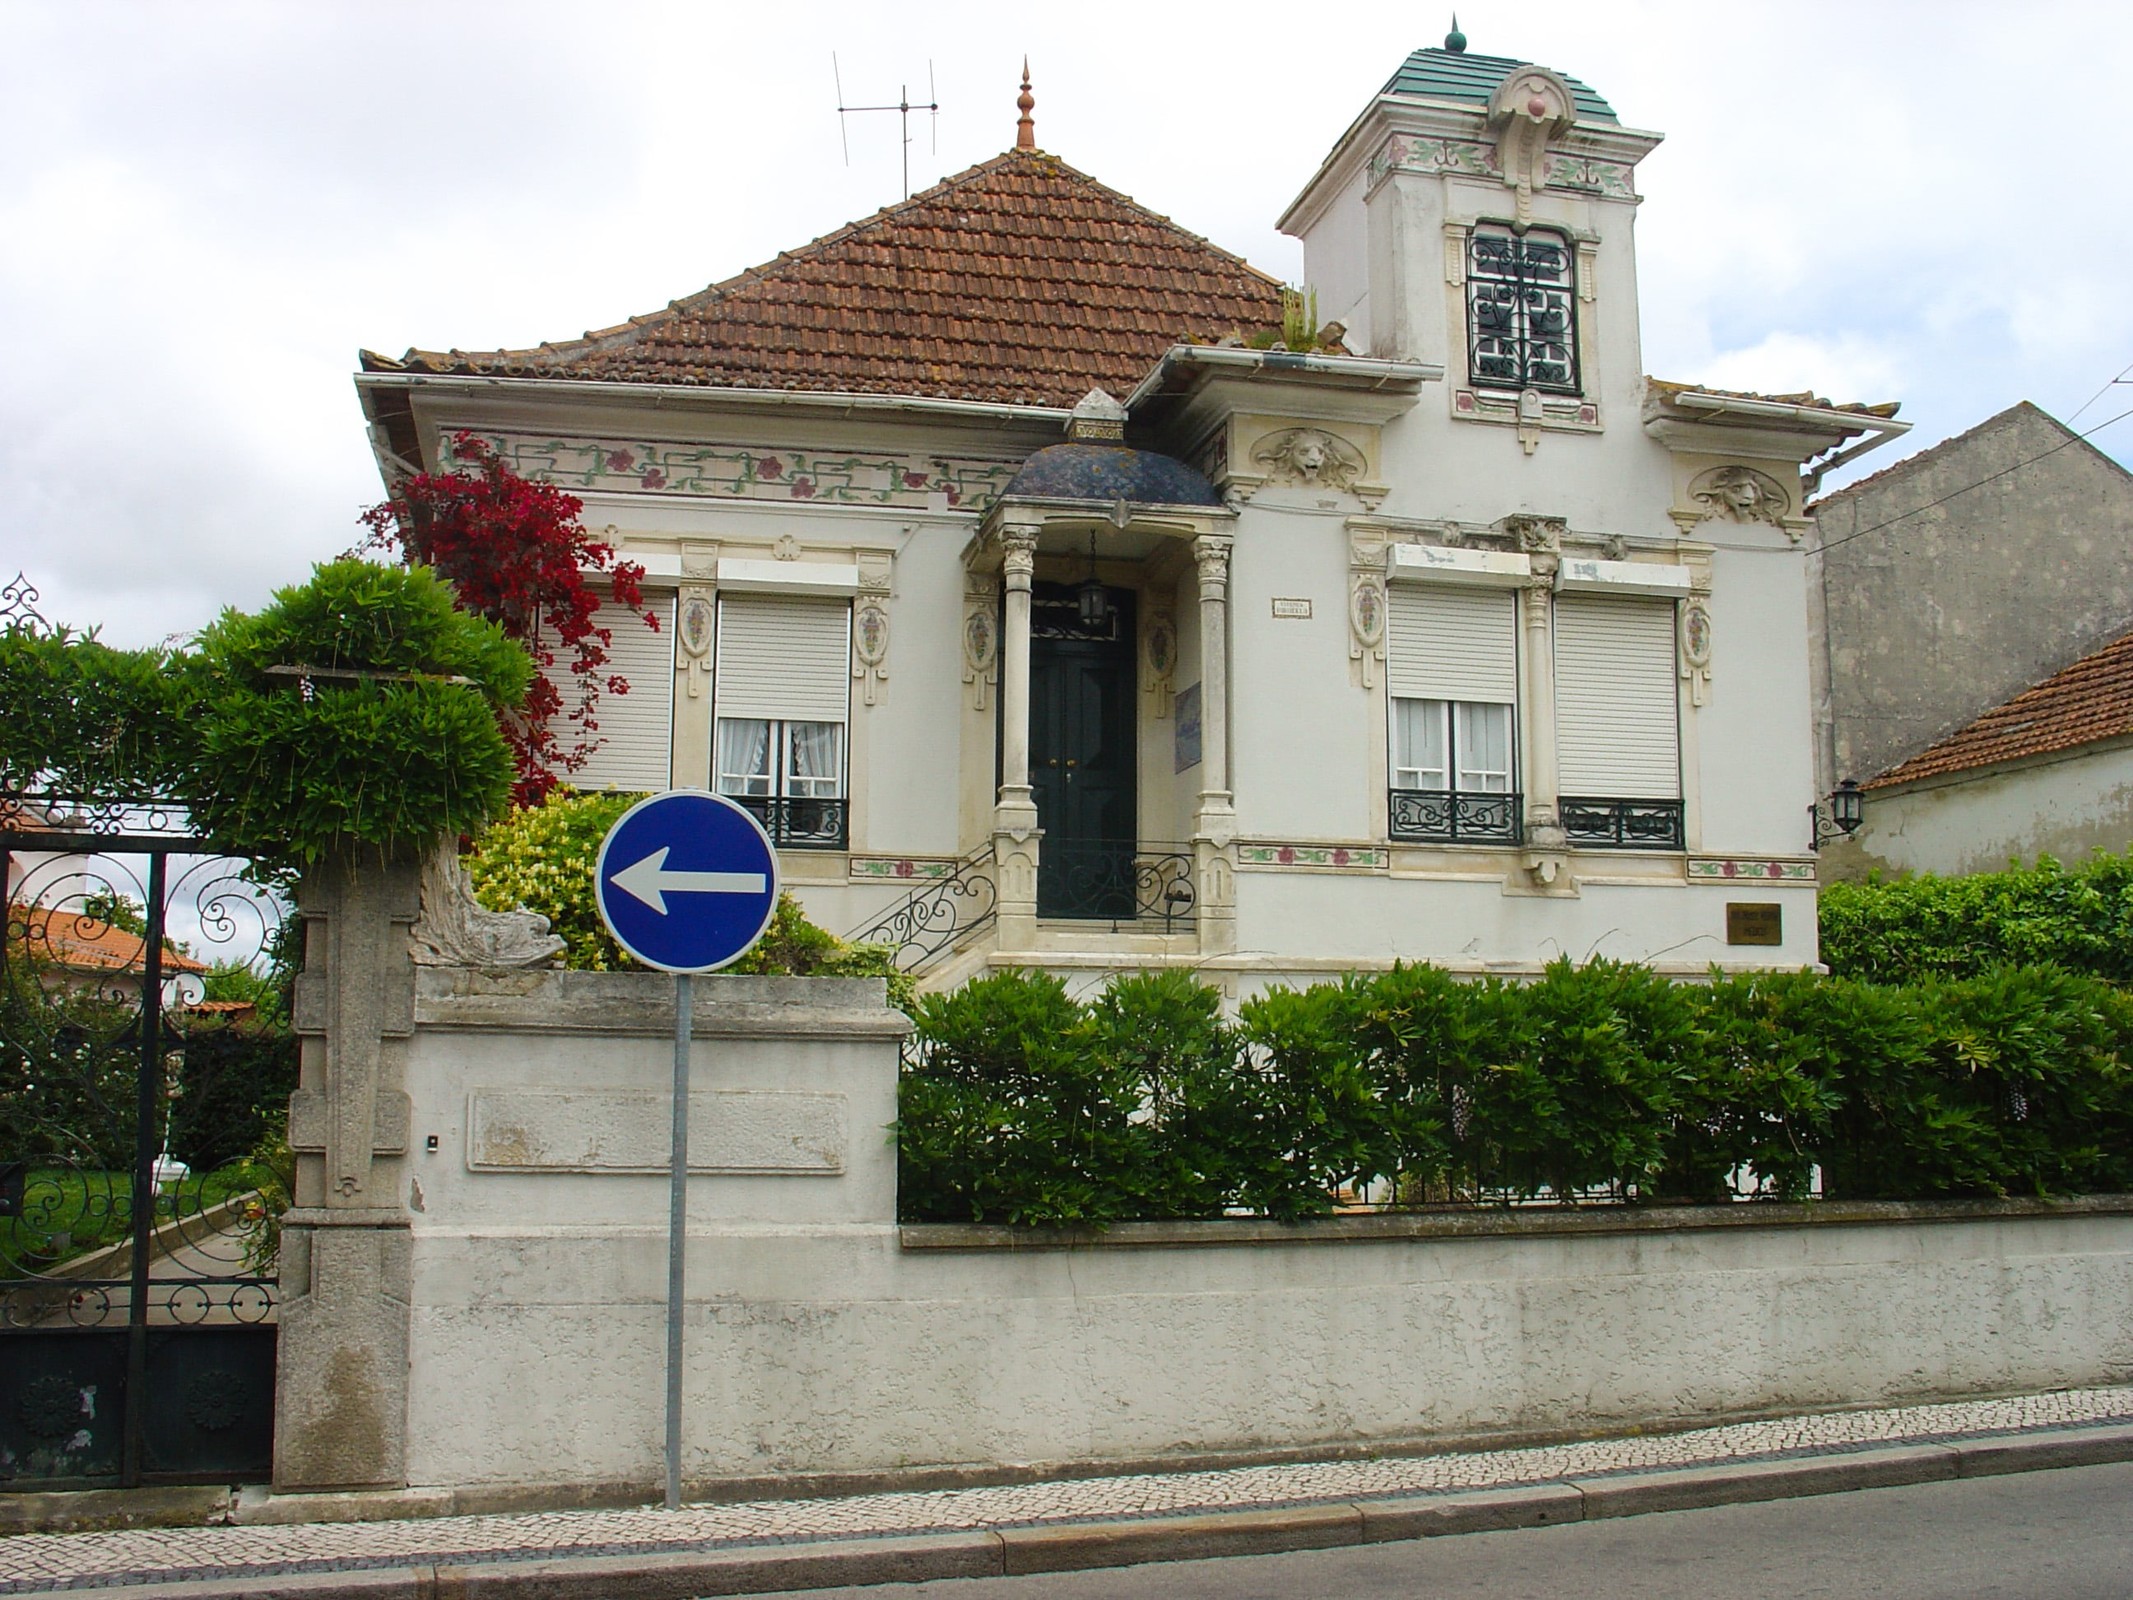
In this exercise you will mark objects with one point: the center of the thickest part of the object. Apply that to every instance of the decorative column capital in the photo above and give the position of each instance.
(1018, 555)
(1210, 552)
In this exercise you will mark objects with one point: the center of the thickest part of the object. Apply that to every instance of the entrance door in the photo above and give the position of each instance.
(1082, 767)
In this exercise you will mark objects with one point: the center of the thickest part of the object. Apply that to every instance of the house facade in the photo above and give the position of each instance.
(2047, 773)
(1060, 596)
(1917, 629)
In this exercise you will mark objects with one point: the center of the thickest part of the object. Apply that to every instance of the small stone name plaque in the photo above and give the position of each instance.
(622, 1130)
(1754, 922)
(1292, 610)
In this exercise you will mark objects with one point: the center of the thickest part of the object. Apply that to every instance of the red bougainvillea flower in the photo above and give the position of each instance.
(513, 550)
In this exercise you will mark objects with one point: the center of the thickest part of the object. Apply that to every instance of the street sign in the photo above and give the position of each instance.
(687, 881)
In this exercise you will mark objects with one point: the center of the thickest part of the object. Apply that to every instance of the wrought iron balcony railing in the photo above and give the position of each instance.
(1452, 816)
(1117, 881)
(1601, 824)
(795, 824)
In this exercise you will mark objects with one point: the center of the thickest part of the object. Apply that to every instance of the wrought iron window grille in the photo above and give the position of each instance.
(1522, 323)
(1610, 824)
(796, 822)
(1453, 816)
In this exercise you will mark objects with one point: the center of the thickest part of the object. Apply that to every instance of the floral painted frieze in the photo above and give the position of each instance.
(900, 869)
(1405, 153)
(1728, 869)
(1335, 857)
(746, 472)
(1589, 175)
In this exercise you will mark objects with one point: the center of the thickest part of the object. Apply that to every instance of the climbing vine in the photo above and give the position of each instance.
(514, 551)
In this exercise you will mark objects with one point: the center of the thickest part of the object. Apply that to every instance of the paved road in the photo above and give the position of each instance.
(2032, 1536)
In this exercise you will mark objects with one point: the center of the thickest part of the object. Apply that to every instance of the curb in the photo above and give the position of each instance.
(1009, 1552)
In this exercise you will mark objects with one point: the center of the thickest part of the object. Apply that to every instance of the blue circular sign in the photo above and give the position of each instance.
(687, 881)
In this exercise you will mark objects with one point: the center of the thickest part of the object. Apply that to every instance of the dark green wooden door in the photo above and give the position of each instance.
(1082, 765)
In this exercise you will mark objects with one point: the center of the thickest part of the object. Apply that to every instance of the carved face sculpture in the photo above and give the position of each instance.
(1744, 495)
(1309, 455)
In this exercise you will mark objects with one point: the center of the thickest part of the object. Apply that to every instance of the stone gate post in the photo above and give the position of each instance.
(340, 1414)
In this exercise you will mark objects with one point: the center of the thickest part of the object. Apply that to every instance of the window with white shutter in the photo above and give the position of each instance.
(1452, 667)
(1618, 737)
(783, 693)
(635, 737)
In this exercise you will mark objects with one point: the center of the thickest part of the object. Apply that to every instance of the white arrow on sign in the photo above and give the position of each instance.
(650, 881)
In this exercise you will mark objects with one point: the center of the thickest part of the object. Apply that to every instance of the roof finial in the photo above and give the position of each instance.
(1455, 41)
(1025, 102)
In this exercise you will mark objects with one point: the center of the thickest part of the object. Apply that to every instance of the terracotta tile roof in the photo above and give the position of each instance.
(1665, 389)
(2088, 701)
(1020, 281)
(79, 942)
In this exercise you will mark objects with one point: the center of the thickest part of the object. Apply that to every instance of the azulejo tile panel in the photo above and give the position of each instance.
(1319, 857)
(749, 472)
(1733, 869)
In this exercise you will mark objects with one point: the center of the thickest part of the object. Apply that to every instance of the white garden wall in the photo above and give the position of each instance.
(824, 1340)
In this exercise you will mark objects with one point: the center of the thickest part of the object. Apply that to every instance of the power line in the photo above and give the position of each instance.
(1861, 533)
(2099, 394)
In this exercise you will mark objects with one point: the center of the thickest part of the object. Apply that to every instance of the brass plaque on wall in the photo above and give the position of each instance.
(1754, 922)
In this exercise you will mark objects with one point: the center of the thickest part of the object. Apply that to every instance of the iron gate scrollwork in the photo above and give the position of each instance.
(145, 1068)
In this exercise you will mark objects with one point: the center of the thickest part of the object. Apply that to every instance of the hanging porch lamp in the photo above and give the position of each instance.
(1093, 600)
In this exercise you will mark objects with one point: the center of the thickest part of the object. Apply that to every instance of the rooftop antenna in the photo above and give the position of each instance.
(903, 108)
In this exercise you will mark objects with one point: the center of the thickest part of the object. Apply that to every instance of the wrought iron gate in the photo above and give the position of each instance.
(141, 1173)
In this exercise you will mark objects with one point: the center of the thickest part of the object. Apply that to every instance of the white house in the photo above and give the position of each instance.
(1052, 612)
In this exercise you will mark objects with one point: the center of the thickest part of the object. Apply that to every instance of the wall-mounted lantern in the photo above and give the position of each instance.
(1845, 809)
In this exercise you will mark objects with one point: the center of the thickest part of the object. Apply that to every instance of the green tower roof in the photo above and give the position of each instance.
(1436, 74)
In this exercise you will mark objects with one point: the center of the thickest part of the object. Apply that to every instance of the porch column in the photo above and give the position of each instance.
(1215, 821)
(1544, 828)
(1014, 825)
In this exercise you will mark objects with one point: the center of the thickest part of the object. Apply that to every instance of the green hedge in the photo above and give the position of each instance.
(1906, 929)
(1021, 1105)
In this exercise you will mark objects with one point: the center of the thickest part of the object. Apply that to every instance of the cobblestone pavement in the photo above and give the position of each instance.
(31, 1562)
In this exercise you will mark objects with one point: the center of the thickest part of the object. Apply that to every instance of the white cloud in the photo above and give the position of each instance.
(207, 209)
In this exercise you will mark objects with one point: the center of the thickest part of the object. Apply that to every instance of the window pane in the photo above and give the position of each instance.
(743, 755)
(814, 761)
(1418, 744)
(1483, 742)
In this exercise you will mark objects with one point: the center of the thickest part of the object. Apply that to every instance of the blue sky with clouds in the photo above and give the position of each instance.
(207, 209)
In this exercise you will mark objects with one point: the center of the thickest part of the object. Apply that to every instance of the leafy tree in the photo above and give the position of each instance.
(515, 553)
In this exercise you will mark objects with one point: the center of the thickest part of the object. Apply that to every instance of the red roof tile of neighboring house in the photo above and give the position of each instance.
(2088, 701)
(77, 941)
(1019, 281)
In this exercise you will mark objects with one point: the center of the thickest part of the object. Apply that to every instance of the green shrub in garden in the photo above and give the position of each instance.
(541, 858)
(1021, 1105)
(1906, 929)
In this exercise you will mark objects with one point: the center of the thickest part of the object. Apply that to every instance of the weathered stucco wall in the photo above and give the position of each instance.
(1951, 608)
(2068, 808)
(822, 1339)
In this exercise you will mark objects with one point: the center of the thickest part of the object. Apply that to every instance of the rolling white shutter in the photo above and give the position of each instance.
(1615, 708)
(1452, 644)
(636, 732)
(784, 656)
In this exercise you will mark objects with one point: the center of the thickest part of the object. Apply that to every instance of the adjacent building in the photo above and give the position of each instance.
(1058, 594)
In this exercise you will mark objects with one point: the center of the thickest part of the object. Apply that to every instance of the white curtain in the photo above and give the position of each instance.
(743, 755)
(1418, 739)
(816, 767)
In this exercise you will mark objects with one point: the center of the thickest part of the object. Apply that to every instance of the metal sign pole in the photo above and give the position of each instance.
(677, 1231)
